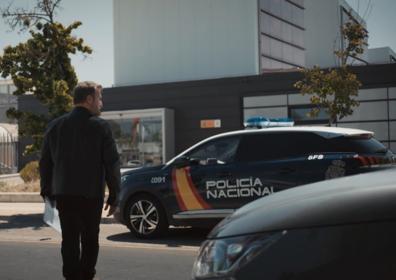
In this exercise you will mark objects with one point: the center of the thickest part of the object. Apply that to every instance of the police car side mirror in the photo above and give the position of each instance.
(181, 162)
(211, 161)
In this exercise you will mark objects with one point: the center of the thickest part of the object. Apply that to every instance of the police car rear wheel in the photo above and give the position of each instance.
(146, 217)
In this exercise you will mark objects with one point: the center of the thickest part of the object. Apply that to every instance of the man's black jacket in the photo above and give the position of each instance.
(78, 156)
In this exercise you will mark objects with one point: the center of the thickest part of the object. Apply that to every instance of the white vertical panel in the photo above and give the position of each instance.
(369, 111)
(393, 147)
(275, 112)
(178, 40)
(392, 126)
(300, 99)
(392, 110)
(392, 92)
(372, 93)
(321, 39)
(268, 100)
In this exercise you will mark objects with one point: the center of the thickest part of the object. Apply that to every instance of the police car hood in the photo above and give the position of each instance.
(360, 198)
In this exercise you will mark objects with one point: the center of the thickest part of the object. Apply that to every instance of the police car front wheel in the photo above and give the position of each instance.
(146, 217)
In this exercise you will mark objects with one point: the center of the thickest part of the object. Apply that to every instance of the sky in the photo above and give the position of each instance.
(380, 19)
(97, 31)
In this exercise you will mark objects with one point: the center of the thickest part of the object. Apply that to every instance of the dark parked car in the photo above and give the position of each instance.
(338, 229)
(210, 180)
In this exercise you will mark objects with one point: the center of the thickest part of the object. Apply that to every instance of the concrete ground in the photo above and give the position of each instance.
(23, 222)
(29, 249)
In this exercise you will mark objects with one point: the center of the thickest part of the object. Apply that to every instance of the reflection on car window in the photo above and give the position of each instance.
(223, 150)
(361, 145)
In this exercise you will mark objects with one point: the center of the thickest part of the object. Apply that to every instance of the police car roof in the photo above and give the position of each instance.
(323, 131)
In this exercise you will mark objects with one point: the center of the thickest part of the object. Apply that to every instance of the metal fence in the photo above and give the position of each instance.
(8, 154)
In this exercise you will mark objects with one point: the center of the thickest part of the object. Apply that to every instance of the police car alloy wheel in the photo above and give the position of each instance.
(146, 217)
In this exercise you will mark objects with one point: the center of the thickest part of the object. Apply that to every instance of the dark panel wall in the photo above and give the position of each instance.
(198, 100)
(211, 99)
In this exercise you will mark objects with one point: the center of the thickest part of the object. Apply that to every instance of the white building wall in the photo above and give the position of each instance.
(323, 32)
(177, 40)
(381, 55)
(322, 18)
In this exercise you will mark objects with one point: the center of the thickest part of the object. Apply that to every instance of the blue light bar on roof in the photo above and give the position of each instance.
(263, 122)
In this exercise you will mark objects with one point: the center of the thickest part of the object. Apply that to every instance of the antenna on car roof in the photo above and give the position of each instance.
(263, 122)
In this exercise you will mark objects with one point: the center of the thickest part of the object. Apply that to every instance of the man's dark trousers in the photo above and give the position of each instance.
(80, 220)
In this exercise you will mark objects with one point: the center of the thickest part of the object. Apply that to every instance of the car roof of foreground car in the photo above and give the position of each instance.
(360, 198)
(324, 131)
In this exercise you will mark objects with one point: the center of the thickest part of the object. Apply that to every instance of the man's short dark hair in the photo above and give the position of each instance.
(83, 90)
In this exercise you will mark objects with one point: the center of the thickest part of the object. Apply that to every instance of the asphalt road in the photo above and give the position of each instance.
(29, 249)
(25, 260)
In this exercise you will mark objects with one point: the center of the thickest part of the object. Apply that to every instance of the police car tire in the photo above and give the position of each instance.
(145, 202)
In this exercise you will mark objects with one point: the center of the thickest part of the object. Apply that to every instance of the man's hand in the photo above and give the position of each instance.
(111, 209)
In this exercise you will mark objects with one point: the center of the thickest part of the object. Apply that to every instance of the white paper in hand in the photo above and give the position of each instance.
(51, 216)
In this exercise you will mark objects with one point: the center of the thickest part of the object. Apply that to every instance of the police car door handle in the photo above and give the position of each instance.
(287, 170)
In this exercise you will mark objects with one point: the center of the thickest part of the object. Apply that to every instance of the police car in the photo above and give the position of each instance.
(208, 181)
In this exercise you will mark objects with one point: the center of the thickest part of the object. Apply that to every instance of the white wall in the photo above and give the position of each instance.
(380, 55)
(322, 35)
(178, 40)
(322, 18)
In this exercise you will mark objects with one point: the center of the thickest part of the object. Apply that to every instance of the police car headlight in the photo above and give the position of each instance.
(221, 257)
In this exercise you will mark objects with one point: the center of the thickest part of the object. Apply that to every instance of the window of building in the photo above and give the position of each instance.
(300, 115)
(140, 136)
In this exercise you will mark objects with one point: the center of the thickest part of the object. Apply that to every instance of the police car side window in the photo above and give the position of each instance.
(271, 146)
(223, 150)
(361, 145)
(308, 143)
(260, 146)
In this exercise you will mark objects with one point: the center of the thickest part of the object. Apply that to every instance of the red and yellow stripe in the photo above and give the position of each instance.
(186, 193)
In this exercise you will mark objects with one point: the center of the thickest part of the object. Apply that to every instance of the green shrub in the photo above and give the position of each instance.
(30, 172)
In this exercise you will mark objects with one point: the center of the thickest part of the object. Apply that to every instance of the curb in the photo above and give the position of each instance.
(20, 197)
(11, 179)
(23, 197)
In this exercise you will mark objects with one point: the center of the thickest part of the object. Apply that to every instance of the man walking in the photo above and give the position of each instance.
(78, 157)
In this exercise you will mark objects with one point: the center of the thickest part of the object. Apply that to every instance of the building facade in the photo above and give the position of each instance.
(146, 134)
(323, 21)
(171, 40)
(186, 70)
(282, 32)
(231, 101)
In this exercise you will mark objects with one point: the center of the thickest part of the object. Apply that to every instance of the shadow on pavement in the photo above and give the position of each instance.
(176, 237)
(34, 221)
